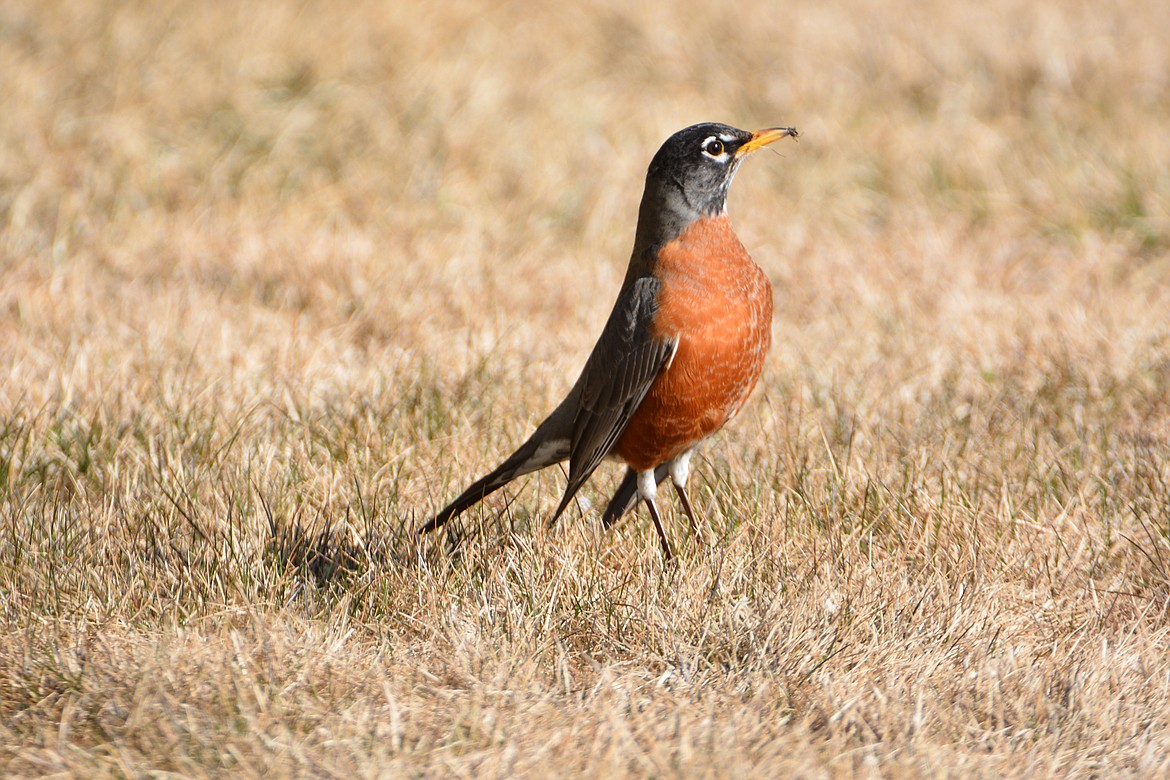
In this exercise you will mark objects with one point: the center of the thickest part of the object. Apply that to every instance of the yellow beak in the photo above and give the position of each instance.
(762, 138)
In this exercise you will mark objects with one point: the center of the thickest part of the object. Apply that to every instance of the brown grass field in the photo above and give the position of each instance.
(278, 278)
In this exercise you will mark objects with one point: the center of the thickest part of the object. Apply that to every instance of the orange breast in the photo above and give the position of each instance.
(718, 303)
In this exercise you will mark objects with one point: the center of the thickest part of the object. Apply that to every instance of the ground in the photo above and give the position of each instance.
(277, 279)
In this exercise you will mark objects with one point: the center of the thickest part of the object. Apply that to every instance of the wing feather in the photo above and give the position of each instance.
(627, 359)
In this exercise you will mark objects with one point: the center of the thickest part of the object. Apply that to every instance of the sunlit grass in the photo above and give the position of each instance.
(278, 280)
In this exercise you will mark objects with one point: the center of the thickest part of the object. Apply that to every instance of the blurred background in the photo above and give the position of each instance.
(277, 278)
(445, 179)
(408, 221)
(213, 208)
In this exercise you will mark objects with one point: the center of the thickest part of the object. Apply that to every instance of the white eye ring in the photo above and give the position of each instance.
(713, 147)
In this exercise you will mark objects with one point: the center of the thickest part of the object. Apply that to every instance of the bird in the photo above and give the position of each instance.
(683, 347)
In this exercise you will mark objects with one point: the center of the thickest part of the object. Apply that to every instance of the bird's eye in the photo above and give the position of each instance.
(713, 147)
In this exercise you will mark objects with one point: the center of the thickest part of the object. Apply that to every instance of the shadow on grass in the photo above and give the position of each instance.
(334, 548)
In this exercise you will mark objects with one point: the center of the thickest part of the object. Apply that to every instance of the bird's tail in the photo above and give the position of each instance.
(532, 456)
(627, 495)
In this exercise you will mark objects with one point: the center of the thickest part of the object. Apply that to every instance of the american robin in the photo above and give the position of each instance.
(683, 346)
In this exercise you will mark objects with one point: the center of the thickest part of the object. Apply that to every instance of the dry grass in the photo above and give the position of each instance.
(278, 278)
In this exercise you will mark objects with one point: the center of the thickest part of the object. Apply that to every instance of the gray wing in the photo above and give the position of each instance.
(624, 363)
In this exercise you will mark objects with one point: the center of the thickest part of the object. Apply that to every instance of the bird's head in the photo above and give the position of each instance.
(690, 175)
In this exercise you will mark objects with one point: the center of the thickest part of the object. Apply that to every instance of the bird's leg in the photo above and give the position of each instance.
(680, 469)
(688, 511)
(666, 553)
(648, 488)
